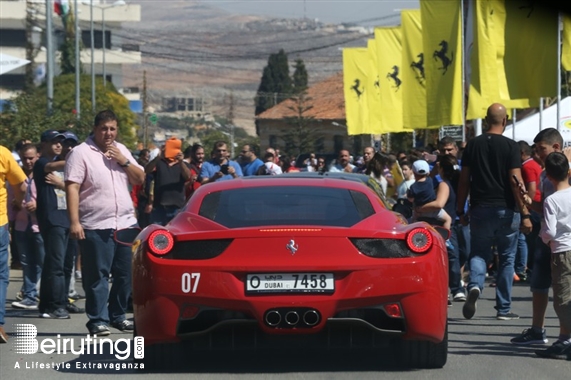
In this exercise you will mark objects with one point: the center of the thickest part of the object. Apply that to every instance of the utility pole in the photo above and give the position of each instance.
(31, 46)
(145, 125)
(230, 113)
(230, 118)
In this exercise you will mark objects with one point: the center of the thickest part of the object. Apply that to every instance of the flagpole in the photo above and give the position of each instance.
(50, 55)
(558, 70)
(514, 121)
(540, 114)
(463, 71)
(92, 35)
(77, 62)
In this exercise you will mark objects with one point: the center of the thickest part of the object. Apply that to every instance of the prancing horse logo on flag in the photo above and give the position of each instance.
(395, 76)
(418, 66)
(441, 55)
(355, 87)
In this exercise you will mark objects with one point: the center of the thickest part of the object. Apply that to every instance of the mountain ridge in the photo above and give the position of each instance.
(192, 49)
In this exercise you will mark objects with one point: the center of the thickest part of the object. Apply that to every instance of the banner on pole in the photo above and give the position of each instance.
(9, 63)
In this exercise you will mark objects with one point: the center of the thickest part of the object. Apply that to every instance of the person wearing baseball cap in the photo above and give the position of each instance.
(53, 220)
(69, 141)
(420, 167)
(70, 136)
(422, 192)
(51, 134)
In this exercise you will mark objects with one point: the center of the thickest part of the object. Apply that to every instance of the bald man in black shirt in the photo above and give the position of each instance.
(489, 164)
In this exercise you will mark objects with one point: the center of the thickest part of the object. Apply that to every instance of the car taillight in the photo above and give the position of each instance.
(419, 240)
(160, 242)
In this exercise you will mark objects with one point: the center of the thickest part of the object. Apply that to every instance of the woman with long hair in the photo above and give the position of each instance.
(375, 169)
(449, 172)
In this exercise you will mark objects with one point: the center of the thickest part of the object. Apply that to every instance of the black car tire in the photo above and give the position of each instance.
(166, 357)
(424, 354)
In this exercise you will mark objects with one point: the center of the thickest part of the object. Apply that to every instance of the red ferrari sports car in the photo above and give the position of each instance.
(278, 261)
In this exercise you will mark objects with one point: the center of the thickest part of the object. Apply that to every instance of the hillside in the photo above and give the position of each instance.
(192, 49)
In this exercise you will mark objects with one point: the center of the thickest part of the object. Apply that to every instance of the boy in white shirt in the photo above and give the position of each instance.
(556, 232)
(408, 175)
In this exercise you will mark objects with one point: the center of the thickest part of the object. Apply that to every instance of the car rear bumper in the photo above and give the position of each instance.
(164, 313)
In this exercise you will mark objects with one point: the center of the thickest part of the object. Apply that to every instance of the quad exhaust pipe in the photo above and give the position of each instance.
(273, 318)
(290, 318)
(311, 317)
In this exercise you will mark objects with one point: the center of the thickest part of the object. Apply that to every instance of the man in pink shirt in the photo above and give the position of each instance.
(97, 177)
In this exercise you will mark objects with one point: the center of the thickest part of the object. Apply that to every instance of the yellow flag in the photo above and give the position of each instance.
(389, 60)
(483, 70)
(396, 172)
(526, 46)
(512, 41)
(414, 80)
(481, 55)
(566, 50)
(355, 68)
(373, 83)
(443, 66)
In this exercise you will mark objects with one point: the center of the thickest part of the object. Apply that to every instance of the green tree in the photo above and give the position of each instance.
(275, 85)
(301, 135)
(299, 77)
(26, 117)
(67, 48)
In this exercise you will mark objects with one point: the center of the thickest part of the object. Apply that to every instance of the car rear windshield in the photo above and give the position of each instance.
(286, 205)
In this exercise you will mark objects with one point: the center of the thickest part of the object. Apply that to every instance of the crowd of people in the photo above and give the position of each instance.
(506, 204)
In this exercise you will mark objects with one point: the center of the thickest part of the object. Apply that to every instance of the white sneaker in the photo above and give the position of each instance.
(27, 304)
(459, 297)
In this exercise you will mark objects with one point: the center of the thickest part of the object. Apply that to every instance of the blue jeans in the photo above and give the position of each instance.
(463, 237)
(101, 256)
(56, 272)
(454, 276)
(163, 214)
(31, 247)
(4, 271)
(489, 226)
(521, 254)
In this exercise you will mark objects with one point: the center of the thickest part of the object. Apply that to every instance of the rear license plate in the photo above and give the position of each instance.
(290, 283)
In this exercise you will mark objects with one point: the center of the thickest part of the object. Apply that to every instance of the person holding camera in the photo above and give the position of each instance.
(170, 173)
(219, 168)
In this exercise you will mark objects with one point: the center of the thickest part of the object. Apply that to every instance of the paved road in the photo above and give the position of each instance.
(479, 349)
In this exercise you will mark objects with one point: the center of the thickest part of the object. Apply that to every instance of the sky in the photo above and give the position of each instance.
(360, 12)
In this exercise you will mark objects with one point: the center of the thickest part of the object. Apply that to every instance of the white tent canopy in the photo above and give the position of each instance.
(528, 128)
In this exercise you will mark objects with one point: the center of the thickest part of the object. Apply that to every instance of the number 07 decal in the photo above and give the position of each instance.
(190, 282)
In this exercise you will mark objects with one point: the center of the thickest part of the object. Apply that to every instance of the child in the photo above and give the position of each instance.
(422, 192)
(408, 177)
(556, 232)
